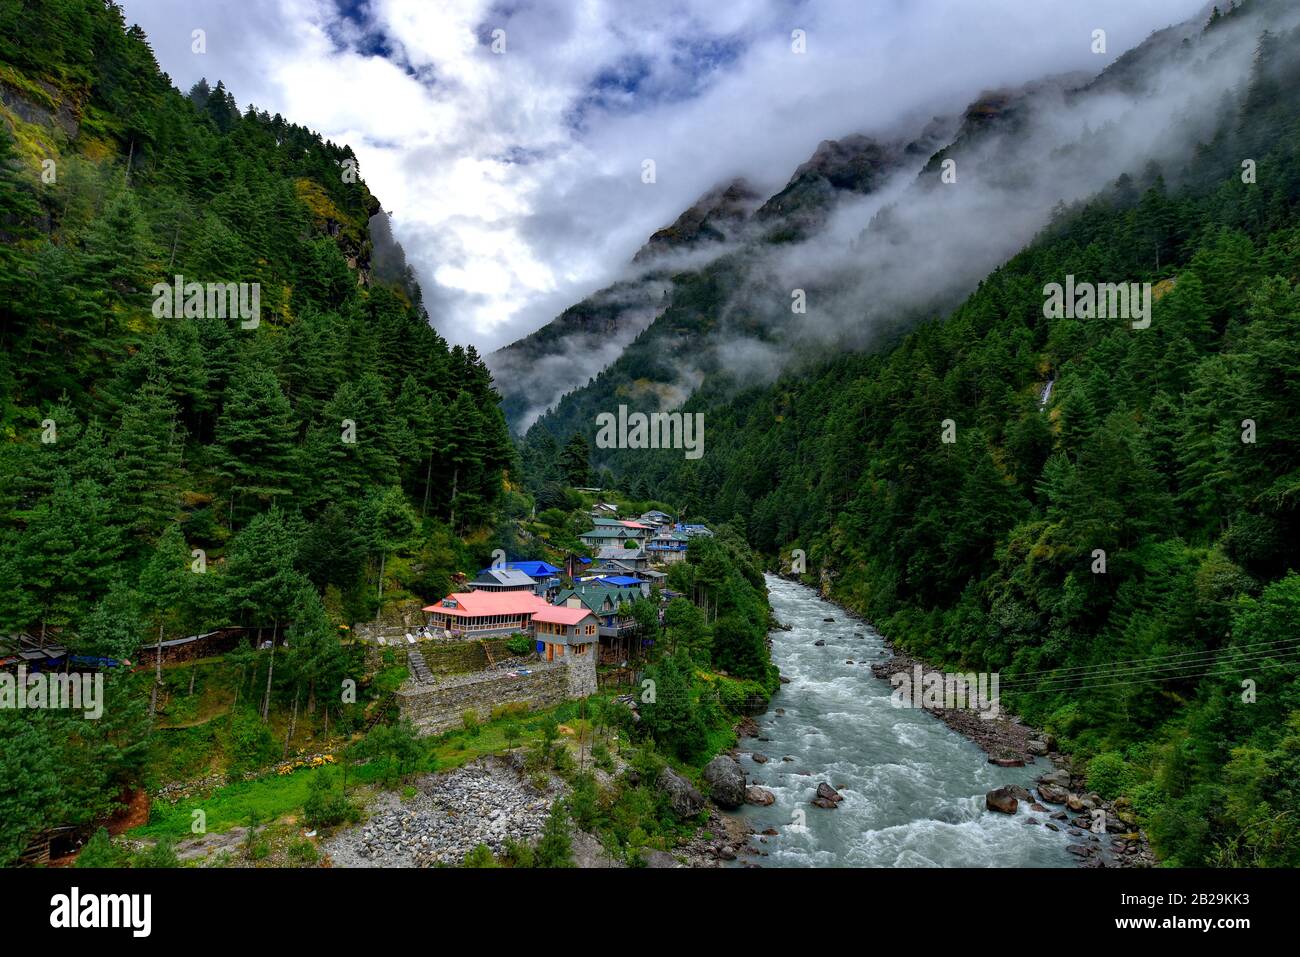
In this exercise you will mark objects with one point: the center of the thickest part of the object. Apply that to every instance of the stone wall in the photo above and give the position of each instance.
(440, 707)
(582, 671)
(452, 658)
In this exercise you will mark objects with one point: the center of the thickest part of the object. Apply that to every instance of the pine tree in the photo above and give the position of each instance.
(166, 584)
(147, 462)
(254, 449)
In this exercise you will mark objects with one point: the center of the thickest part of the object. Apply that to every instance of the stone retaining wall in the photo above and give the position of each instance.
(443, 659)
(441, 707)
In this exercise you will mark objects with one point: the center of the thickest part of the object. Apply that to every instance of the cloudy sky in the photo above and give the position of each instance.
(508, 138)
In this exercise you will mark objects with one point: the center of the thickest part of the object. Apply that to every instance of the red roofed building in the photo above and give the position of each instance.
(558, 627)
(485, 614)
(489, 614)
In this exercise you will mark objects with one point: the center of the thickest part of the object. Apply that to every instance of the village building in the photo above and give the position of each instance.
(617, 533)
(691, 531)
(503, 579)
(612, 605)
(656, 518)
(668, 547)
(629, 559)
(629, 582)
(485, 614)
(561, 630)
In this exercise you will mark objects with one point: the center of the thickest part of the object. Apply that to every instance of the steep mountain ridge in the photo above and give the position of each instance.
(534, 372)
(920, 240)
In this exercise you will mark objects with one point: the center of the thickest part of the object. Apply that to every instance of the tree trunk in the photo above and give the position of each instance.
(455, 485)
(428, 482)
(157, 676)
(194, 670)
(293, 725)
(379, 598)
(266, 701)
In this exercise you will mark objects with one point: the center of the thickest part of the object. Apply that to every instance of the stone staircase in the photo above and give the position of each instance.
(418, 667)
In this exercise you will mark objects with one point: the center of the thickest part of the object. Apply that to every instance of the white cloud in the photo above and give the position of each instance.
(514, 179)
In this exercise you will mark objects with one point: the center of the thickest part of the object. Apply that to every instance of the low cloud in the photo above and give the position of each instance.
(514, 179)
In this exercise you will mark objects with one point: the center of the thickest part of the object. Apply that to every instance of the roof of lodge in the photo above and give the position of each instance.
(476, 604)
(504, 576)
(618, 553)
(561, 615)
(594, 596)
(533, 569)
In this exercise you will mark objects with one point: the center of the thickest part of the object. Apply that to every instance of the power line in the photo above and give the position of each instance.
(1141, 681)
(1186, 654)
(1156, 666)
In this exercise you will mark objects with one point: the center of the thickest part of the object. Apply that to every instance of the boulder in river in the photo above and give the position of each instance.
(827, 797)
(1052, 794)
(1037, 748)
(759, 757)
(1001, 800)
(1007, 762)
(759, 796)
(1060, 778)
(682, 796)
(726, 781)
(1080, 802)
(819, 643)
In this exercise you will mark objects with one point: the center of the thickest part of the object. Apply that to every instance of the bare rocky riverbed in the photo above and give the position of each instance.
(487, 802)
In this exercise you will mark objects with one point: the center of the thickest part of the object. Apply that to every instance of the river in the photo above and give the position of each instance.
(913, 789)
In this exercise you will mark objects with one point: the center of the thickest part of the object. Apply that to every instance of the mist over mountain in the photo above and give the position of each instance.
(871, 232)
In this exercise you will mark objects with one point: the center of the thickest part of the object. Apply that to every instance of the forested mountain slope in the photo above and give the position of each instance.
(643, 336)
(161, 475)
(872, 237)
(1122, 546)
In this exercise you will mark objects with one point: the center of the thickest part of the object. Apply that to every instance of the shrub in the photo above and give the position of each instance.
(555, 849)
(516, 854)
(302, 852)
(395, 749)
(248, 742)
(470, 720)
(100, 852)
(480, 856)
(161, 854)
(519, 645)
(325, 806)
(1109, 775)
(584, 801)
(563, 761)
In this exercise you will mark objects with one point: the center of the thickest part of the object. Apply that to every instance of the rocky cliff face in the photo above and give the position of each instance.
(733, 223)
